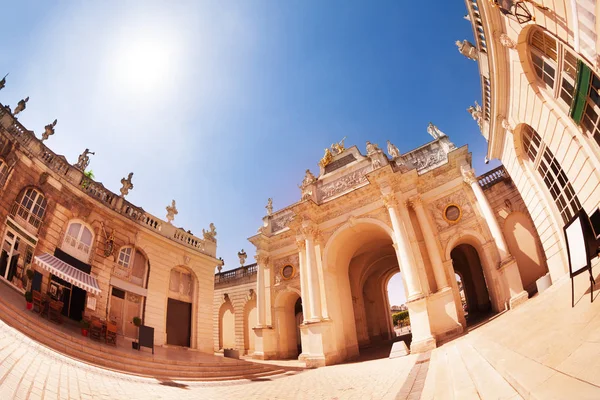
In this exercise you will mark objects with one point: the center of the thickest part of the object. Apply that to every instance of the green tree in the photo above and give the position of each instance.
(401, 316)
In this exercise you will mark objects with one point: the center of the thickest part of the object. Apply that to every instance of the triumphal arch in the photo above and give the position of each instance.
(323, 263)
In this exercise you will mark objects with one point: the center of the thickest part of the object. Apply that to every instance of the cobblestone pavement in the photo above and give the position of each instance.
(29, 370)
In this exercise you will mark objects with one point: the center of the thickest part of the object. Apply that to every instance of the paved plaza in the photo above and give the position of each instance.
(543, 349)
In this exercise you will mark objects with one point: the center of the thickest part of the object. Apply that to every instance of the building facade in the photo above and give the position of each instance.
(323, 264)
(539, 68)
(96, 252)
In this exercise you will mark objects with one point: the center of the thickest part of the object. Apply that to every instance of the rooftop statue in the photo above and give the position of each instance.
(337, 148)
(3, 82)
(242, 256)
(211, 234)
(467, 49)
(171, 211)
(49, 130)
(127, 185)
(477, 113)
(392, 150)
(269, 206)
(84, 160)
(372, 148)
(327, 157)
(308, 179)
(21, 105)
(434, 131)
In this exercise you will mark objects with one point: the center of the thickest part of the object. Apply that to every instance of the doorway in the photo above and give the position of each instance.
(467, 265)
(16, 257)
(179, 322)
(124, 307)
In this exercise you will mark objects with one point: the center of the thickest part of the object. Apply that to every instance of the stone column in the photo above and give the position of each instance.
(514, 292)
(300, 242)
(262, 261)
(488, 213)
(312, 274)
(430, 242)
(410, 274)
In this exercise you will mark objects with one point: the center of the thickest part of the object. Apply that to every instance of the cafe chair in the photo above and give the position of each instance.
(55, 311)
(111, 333)
(37, 302)
(96, 330)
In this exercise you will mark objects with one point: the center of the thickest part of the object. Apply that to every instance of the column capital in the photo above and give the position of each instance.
(414, 201)
(262, 260)
(301, 243)
(468, 174)
(389, 200)
(309, 231)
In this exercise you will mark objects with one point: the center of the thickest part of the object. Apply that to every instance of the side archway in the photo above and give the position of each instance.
(250, 322)
(227, 325)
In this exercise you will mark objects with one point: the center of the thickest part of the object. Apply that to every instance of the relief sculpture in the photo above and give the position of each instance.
(344, 183)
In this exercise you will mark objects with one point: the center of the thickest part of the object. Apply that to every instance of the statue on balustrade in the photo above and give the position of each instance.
(49, 130)
(126, 185)
(84, 160)
(210, 234)
(372, 148)
(467, 49)
(171, 212)
(434, 131)
(242, 256)
(269, 207)
(337, 148)
(21, 106)
(308, 179)
(477, 113)
(392, 150)
(3, 82)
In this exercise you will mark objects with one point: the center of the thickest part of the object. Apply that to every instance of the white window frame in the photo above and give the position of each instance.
(30, 214)
(73, 244)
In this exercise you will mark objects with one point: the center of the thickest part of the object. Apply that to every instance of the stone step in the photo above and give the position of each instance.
(84, 349)
(463, 386)
(489, 383)
(531, 379)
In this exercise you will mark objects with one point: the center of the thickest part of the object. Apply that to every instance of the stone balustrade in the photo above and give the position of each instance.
(493, 177)
(246, 272)
(96, 190)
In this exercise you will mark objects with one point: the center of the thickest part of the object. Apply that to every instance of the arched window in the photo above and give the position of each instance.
(569, 79)
(551, 172)
(133, 265)
(30, 206)
(78, 241)
(3, 172)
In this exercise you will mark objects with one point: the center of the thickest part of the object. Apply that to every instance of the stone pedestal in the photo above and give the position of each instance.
(512, 278)
(317, 344)
(399, 349)
(445, 322)
(265, 345)
(422, 339)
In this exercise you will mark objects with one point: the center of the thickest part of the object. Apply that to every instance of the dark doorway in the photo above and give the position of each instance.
(77, 303)
(179, 322)
(467, 264)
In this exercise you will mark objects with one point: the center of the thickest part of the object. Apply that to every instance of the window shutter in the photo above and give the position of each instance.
(581, 91)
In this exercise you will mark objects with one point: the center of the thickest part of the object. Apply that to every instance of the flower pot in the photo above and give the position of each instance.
(231, 353)
(84, 332)
(29, 306)
(134, 345)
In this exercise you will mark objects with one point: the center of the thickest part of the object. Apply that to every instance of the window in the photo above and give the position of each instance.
(3, 172)
(553, 62)
(133, 265)
(30, 206)
(78, 241)
(552, 174)
(181, 284)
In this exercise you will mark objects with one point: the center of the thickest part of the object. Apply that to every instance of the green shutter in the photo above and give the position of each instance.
(581, 91)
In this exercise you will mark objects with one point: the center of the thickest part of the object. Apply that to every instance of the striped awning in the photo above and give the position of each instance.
(68, 273)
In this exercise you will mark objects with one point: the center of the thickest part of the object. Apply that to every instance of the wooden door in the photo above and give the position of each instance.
(117, 301)
(179, 322)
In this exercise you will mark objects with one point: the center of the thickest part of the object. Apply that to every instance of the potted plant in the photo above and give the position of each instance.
(29, 300)
(85, 326)
(137, 321)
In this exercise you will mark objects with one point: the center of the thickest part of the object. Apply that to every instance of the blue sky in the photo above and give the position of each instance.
(221, 105)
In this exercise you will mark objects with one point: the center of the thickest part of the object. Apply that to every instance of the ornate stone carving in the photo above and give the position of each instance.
(389, 200)
(344, 183)
(84, 160)
(375, 163)
(269, 206)
(21, 106)
(262, 260)
(468, 174)
(126, 185)
(506, 41)
(309, 178)
(426, 158)
(434, 131)
(414, 201)
(281, 221)
(242, 256)
(506, 125)
(49, 130)
(458, 198)
(327, 157)
(186, 260)
(171, 212)
(251, 295)
(337, 148)
(467, 49)
(301, 244)
(392, 150)
(477, 113)
(211, 234)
